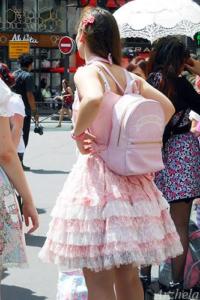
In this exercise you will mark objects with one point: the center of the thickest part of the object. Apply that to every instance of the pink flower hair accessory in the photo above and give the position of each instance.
(88, 21)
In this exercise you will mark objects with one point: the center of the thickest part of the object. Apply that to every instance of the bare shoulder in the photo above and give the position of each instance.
(136, 77)
(85, 72)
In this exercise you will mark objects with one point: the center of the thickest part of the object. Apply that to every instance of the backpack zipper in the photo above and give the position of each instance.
(145, 142)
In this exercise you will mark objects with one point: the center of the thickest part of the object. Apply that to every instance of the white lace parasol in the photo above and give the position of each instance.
(153, 19)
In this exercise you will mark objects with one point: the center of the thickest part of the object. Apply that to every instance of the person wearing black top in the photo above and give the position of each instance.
(180, 180)
(25, 87)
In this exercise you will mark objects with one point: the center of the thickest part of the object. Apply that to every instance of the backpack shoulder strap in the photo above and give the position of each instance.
(109, 73)
(133, 85)
(106, 84)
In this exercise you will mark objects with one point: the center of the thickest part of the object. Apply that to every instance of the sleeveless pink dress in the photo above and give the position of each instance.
(102, 220)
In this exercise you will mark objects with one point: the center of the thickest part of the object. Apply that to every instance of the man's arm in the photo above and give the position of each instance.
(31, 97)
(31, 100)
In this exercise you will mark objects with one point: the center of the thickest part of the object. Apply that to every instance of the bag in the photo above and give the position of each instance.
(192, 266)
(135, 142)
(71, 286)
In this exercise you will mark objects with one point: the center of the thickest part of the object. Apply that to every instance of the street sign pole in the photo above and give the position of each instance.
(66, 46)
(66, 67)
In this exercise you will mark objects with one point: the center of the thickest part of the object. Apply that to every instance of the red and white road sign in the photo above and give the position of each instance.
(66, 45)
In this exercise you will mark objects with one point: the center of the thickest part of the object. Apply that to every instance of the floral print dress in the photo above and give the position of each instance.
(12, 243)
(180, 180)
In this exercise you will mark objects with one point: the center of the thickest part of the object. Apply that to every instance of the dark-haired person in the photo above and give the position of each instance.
(66, 99)
(24, 85)
(180, 180)
(105, 223)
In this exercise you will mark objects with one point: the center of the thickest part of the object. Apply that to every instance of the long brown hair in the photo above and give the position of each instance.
(103, 34)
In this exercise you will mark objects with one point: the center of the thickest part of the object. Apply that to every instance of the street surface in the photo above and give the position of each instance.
(50, 157)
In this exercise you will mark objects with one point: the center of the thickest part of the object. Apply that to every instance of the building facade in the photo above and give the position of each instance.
(42, 23)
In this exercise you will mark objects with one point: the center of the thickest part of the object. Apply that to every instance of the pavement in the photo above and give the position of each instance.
(50, 157)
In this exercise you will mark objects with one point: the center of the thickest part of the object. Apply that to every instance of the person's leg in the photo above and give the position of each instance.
(61, 117)
(180, 213)
(145, 273)
(69, 112)
(100, 285)
(26, 132)
(26, 129)
(128, 284)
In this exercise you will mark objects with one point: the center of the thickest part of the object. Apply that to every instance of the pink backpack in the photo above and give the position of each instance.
(138, 124)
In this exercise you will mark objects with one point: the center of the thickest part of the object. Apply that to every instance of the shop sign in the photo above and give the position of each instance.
(25, 37)
(141, 49)
(35, 39)
(16, 48)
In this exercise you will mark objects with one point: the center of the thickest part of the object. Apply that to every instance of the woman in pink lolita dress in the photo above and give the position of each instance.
(104, 223)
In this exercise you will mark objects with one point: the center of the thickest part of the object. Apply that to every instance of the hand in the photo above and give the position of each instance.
(56, 98)
(197, 201)
(195, 131)
(30, 213)
(193, 66)
(85, 146)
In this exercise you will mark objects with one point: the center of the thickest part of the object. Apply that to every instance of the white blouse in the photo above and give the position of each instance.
(5, 95)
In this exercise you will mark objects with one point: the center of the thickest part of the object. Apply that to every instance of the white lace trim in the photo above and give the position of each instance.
(155, 31)
(131, 255)
(111, 208)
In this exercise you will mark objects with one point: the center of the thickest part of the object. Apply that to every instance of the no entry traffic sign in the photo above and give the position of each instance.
(66, 45)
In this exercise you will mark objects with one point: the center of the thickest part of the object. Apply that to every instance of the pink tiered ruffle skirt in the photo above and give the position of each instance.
(102, 220)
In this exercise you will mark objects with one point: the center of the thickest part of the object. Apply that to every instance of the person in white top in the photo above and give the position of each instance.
(16, 109)
(12, 245)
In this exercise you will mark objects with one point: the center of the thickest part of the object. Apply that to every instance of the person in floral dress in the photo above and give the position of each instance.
(12, 244)
(180, 180)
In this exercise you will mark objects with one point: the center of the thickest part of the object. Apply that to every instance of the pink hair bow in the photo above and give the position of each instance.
(88, 21)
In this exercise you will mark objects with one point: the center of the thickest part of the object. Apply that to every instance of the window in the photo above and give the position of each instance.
(33, 15)
(51, 16)
(14, 15)
(30, 15)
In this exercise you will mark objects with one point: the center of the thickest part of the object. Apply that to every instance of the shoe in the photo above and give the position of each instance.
(59, 125)
(25, 168)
